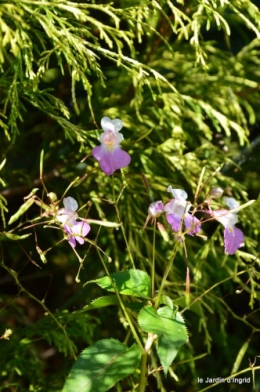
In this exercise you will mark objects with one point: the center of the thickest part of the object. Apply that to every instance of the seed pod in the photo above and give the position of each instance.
(24, 207)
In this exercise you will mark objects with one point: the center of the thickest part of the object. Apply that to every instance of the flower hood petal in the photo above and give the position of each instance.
(70, 204)
(233, 239)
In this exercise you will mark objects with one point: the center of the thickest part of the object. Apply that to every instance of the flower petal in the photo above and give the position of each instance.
(70, 204)
(82, 229)
(231, 202)
(110, 140)
(177, 207)
(178, 194)
(225, 217)
(110, 161)
(233, 239)
(193, 223)
(66, 217)
(77, 232)
(71, 238)
(117, 124)
(155, 208)
(107, 125)
(175, 221)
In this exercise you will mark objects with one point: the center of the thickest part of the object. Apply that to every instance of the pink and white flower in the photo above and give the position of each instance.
(177, 211)
(109, 154)
(67, 216)
(155, 209)
(233, 237)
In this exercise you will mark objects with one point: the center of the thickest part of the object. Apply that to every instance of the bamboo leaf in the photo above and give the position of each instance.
(101, 303)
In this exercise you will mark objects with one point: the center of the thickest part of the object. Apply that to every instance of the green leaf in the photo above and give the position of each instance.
(194, 307)
(101, 366)
(131, 282)
(101, 303)
(166, 300)
(110, 300)
(135, 306)
(170, 328)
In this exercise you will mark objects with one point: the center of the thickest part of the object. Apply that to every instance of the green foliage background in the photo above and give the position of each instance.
(183, 76)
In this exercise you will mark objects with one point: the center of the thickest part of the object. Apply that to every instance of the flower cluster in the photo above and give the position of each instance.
(109, 154)
(67, 216)
(178, 214)
(177, 210)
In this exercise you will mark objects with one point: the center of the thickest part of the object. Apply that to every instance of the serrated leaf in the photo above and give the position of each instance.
(170, 328)
(166, 300)
(101, 302)
(131, 282)
(99, 367)
(24, 207)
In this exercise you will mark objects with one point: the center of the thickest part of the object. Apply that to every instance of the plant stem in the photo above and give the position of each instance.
(153, 260)
(116, 201)
(138, 341)
(47, 311)
(166, 273)
(124, 235)
(143, 368)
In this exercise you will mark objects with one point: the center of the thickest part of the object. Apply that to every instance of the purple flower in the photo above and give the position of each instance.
(75, 230)
(109, 154)
(233, 237)
(155, 209)
(177, 210)
(67, 215)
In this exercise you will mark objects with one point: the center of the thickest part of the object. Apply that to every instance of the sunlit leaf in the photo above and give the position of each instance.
(100, 366)
(170, 328)
(131, 282)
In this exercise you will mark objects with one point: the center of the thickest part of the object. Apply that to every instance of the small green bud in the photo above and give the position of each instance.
(52, 196)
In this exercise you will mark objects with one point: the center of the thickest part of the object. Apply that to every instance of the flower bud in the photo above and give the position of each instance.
(7, 334)
(155, 208)
(163, 232)
(52, 196)
(216, 192)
